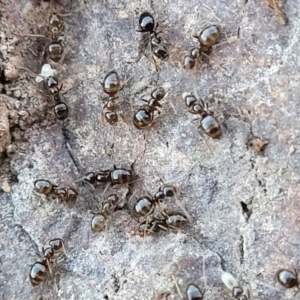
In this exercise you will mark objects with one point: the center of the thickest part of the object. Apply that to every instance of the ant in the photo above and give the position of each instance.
(100, 218)
(143, 118)
(115, 176)
(145, 205)
(55, 27)
(288, 279)
(209, 123)
(193, 292)
(148, 24)
(39, 270)
(173, 220)
(61, 110)
(207, 38)
(231, 284)
(112, 86)
(46, 188)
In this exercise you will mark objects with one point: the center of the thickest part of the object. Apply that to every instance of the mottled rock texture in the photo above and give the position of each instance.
(243, 205)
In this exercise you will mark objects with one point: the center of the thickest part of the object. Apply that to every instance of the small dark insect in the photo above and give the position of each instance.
(257, 144)
(112, 86)
(193, 292)
(164, 192)
(45, 187)
(288, 279)
(172, 220)
(207, 38)
(148, 25)
(61, 110)
(100, 218)
(143, 118)
(115, 176)
(55, 48)
(145, 205)
(232, 285)
(208, 123)
(39, 270)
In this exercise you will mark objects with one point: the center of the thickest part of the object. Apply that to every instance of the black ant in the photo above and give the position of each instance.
(112, 86)
(208, 123)
(61, 110)
(55, 27)
(115, 176)
(143, 118)
(207, 38)
(158, 47)
(193, 292)
(39, 270)
(288, 279)
(46, 188)
(100, 218)
(172, 220)
(145, 205)
(232, 285)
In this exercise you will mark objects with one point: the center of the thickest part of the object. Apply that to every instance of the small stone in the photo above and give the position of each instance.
(22, 124)
(24, 114)
(16, 136)
(17, 93)
(5, 187)
(11, 150)
(32, 111)
(292, 150)
(11, 72)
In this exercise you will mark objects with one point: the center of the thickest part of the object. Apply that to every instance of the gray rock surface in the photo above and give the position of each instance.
(243, 205)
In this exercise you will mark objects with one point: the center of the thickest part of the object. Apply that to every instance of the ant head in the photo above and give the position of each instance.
(146, 22)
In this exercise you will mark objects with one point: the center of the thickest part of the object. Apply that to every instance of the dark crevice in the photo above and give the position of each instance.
(223, 267)
(241, 247)
(247, 212)
(116, 284)
(65, 133)
(131, 185)
(214, 189)
(23, 231)
(2, 77)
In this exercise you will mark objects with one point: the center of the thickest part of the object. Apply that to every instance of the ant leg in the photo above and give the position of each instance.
(124, 119)
(155, 64)
(49, 267)
(72, 153)
(204, 274)
(177, 286)
(106, 187)
(145, 231)
(181, 206)
(29, 71)
(64, 249)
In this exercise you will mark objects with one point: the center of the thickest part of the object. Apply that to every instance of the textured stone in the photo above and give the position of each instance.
(243, 205)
